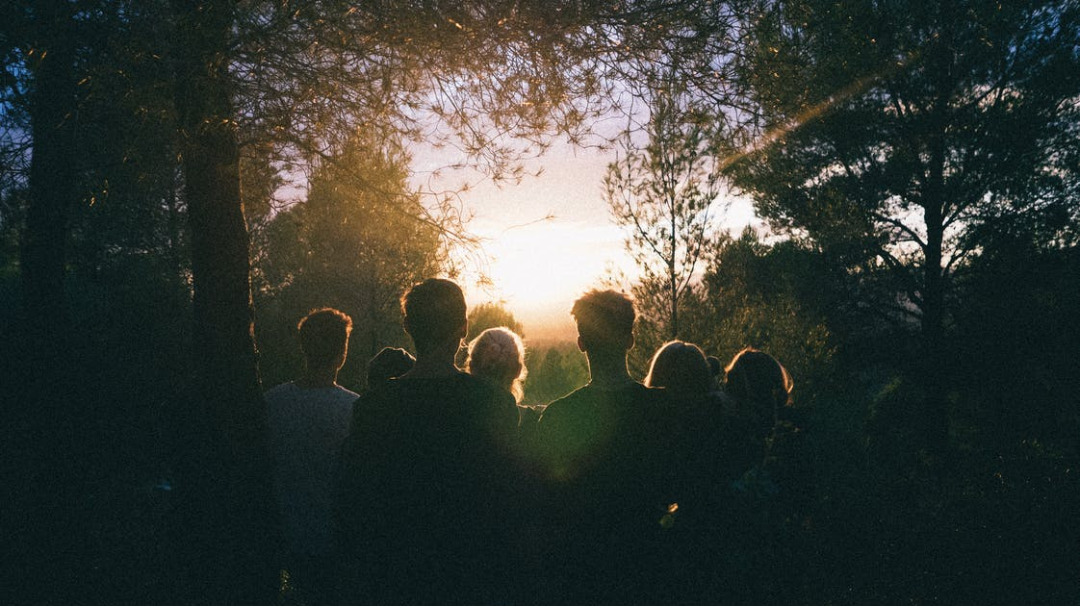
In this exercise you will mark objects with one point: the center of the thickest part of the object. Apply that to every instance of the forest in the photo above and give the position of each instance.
(182, 180)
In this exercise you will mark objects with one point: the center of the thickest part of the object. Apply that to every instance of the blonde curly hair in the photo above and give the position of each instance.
(498, 355)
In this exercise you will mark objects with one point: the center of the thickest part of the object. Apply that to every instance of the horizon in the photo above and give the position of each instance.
(549, 238)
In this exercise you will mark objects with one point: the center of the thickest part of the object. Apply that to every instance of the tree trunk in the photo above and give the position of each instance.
(673, 330)
(226, 494)
(37, 387)
(52, 170)
(935, 371)
(933, 299)
(934, 417)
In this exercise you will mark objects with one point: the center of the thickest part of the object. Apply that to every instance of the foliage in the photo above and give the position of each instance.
(777, 298)
(357, 243)
(664, 191)
(897, 135)
(130, 203)
(771, 298)
(1017, 375)
(553, 373)
(492, 315)
(651, 331)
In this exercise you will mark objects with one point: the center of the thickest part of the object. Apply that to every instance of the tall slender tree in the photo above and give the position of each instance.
(898, 134)
(231, 471)
(664, 191)
(50, 50)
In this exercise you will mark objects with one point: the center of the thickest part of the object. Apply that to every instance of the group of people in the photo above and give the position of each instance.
(437, 486)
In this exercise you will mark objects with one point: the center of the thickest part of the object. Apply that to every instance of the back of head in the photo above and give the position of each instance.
(434, 313)
(682, 367)
(389, 363)
(498, 354)
(605, 321)
(757, 379)
(324, 336)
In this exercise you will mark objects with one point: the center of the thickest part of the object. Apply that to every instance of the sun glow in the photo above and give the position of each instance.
(537, 267)
(537, 270)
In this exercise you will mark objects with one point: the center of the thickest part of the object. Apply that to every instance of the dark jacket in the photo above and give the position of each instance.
(427, 495)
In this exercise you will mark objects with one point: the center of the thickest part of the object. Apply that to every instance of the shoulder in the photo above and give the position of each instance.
(280, 391)
(566, 403)
(281, 401)
(477, 388)
(529, 415)
(491, 401)
(468, 382)
(458, 388)
(374, 413)
(344, 393)
(374, 408)
(636, 395)
(342, 398)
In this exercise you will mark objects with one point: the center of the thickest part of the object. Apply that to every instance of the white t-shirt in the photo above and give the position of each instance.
(307, 426)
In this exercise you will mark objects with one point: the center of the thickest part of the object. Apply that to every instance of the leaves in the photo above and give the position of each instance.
(663, 191)
(898, 136)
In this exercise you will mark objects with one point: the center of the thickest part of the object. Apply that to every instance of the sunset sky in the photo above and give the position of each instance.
(539, 266)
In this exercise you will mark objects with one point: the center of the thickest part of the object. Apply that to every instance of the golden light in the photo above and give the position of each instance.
(539, 269)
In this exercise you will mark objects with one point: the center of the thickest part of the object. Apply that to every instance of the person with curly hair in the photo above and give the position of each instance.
(498, 355)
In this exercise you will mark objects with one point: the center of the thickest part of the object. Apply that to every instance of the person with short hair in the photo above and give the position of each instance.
(598, 450)
(605, 323)
(434, 315)
(425, 500)
(498, 355)
(307, 420)
(580, 426)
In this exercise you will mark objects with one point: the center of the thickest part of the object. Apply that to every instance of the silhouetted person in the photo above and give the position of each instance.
(423, 500)
(682, 367)
(600, 466)
(768, 502)
(389, 363)
(498, 355)
(684, 373)
(308, 420)
(760, 386)
(697, 451)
